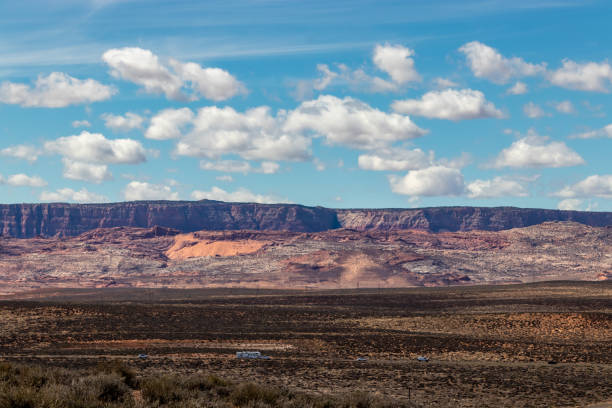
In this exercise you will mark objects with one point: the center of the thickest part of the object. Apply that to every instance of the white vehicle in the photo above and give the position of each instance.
(256, 355)
(423, 359)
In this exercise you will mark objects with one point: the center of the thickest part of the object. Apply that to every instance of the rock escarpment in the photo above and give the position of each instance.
(436, 219)
(57, 219)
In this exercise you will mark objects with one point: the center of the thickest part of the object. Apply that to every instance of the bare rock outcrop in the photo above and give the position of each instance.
(66, 220)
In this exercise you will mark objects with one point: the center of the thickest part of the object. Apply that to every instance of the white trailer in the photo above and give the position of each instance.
(256, 355)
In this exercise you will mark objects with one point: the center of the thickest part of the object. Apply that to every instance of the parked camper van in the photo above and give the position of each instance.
(252, 355)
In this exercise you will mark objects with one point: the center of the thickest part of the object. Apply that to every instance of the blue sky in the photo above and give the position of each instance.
(340, 104)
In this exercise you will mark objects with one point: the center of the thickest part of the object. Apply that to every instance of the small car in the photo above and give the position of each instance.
(362, 359)
(143, 356)
(423, 359)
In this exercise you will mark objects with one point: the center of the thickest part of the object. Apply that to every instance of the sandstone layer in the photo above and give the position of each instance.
(64, 220)
(340, 258)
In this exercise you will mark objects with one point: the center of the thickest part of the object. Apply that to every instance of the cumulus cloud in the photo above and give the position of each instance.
(536, 151)
(253, 135)
(450, 104)
(56, 90)
(23, 152)
(444, 83)
(304, 88)
(145, 68)
(95, 148)
(351, 123)
(169, 124)
(81, 123)
(258, 134)
(140, 190)
(94, 173)
(431, 181)
(589, 76)
(592, 186)
(238, 196)
(486, 62)
(395, 160)
(396, 61)
(533, 111)
(215, 84)
(519, 88)
(565, 107)
(570, 204)
(496, 187)
(606, 131)
(119, 123)
(23, 180)
(70, 195)
(237, 166)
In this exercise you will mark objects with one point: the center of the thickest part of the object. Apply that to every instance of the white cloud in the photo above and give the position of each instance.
(589, 76)
(327, 76)
(23, 152)
(395, 160)
(519, 88)
(487, 62)
(360, 80)
(592, 186)
(496, 187)
(237, 166)
(395, 60)
(23, 180)
(140, 190)
(431, 181)
(81, 123)
(226, 177)
(215, 84)
(533, 111)
(94, 173)
(240, 195)
(565, 107)
(169, 124)
(350, 122)
(70, 195)
(535, 151)
(144, 68)
(570, 204)
(257, 134)
(304, 88)
(253, 135)
(56, 90)
(123, 123)
(450, 104)
(606, 131)
(95, 148)
(444, 83)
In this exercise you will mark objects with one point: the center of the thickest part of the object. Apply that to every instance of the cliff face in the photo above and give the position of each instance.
(30, 220)
(464, 218)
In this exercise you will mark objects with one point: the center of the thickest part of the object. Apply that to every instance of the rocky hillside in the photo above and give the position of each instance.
(436, 219)
(57, 219)
(339, 258)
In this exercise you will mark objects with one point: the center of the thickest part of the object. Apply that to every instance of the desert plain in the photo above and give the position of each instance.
(543, 344)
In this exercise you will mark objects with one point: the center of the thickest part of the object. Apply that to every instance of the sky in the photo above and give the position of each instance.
(344, 104)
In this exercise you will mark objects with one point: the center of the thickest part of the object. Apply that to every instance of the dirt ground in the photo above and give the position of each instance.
(538, 345)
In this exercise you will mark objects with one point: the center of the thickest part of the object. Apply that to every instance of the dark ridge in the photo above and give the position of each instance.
(61, 219)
